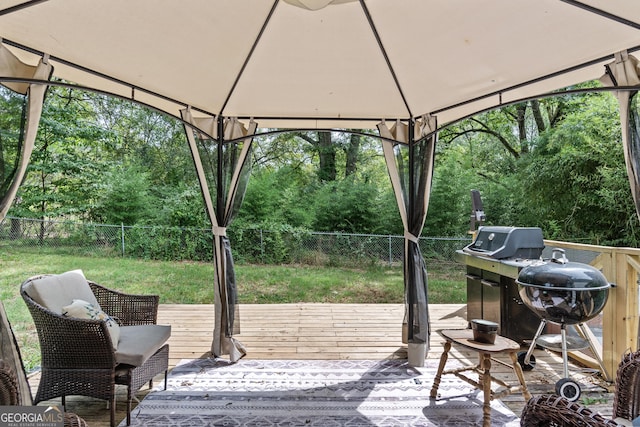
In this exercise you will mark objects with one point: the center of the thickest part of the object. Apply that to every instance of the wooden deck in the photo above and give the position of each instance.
(336, 331)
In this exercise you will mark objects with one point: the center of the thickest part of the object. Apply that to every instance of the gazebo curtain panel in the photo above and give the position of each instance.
(34, 93)
(221, 152)
(625, 71)
(409, 151)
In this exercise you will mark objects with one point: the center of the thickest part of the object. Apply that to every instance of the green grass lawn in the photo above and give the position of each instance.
(192, 283)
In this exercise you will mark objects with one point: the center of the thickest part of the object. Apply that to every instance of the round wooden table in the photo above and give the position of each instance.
(464, 338)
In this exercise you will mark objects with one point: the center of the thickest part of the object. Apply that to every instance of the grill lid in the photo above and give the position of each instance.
(560, 274)
(563, 291)
(501, 242)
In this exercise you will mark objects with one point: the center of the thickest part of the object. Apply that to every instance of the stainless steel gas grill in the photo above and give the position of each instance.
(493, 262)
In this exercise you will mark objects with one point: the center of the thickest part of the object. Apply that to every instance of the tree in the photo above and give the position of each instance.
(125, 197)
(576, 178)
(348, 206)
(327, 145)
(64, 166)
(11, 123)
(285, 188)
(450, 202)
(352, 151)
(274, 196)
(554, 163)
(89, 145)
(133, 134)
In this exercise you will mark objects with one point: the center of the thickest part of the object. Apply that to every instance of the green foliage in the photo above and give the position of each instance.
(181, 206)
(63, 169)
(11, 109)
(575, 180)
(387, 215)
(162, 243)
(125, 197)
(450, 202)
(567, 176)
(554, 163)
(347, 206)
(278, 243)
(273, 196)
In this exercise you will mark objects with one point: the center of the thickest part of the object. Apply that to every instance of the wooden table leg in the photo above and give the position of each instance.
(486, 387)
(443, 361)
(518, 370)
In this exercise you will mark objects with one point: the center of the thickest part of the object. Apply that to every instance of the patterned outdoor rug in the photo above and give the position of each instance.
(322, 393)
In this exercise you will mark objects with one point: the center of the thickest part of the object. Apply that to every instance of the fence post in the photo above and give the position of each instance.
(261, 247)
(122, 237)
(390, 252)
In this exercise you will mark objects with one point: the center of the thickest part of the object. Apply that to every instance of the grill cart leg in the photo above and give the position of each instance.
(527, 360)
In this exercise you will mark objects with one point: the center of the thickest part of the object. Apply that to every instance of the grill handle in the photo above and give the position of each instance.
(490, 283)
(558, 256)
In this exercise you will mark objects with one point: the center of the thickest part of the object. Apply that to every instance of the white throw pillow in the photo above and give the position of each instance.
(85, 310)
(55, 291)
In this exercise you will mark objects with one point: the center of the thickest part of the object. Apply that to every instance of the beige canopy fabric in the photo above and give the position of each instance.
(223, 176)
(410, 163)
(625, 71)
(12, 66)
(301, 64)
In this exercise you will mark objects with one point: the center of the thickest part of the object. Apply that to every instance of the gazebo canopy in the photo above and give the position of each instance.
(221, 64)
(299, 64)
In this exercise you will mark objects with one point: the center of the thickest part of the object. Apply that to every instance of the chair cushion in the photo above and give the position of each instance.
(85, 310)
(57, 291)
(139, 342)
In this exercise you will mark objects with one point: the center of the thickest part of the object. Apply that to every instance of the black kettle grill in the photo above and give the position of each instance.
(566, 293)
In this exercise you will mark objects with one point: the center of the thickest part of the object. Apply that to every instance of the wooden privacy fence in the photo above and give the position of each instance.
(621, 267)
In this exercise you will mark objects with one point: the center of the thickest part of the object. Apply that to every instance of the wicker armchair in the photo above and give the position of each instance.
(552, 410)
(79, 356)
(10, 395)
(14, 386)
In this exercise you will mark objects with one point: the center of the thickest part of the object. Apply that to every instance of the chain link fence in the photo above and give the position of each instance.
(285, 245)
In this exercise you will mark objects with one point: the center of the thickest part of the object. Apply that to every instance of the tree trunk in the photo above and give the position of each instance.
(327, 154)
(521, 110)
(16, 229)
(537, 116)
(352, 150)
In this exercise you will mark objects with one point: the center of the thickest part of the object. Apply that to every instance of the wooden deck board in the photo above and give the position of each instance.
(331, 331)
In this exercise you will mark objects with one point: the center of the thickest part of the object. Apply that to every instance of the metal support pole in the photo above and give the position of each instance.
(122, 237)
(411, 291)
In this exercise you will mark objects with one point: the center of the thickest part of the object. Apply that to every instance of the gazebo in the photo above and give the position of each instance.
(230, 70)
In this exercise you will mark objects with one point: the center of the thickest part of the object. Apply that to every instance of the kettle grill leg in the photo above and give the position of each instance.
(565, 358)
(527, 357)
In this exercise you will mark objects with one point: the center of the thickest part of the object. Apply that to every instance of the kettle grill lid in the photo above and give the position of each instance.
(561, 274)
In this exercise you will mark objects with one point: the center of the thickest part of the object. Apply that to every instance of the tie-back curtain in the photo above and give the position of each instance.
(223, 166)
(625, 71)
(410, 157)
(11, 66)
